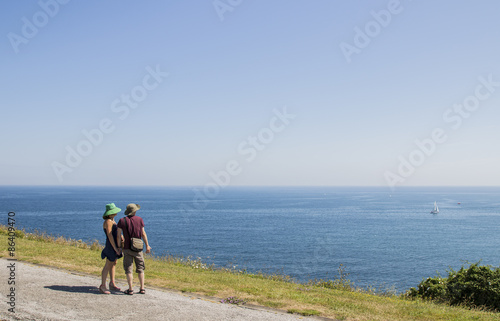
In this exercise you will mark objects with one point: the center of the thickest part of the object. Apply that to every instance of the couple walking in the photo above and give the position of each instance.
(132, 227)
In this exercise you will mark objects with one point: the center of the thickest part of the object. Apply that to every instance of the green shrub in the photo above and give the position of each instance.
(342, 282)
(474, 286)
(19, 234)
(430, 289)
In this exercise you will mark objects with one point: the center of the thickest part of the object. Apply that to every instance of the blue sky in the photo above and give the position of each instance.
(356, 117)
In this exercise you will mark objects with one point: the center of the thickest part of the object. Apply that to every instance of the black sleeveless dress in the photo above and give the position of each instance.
(108, 251)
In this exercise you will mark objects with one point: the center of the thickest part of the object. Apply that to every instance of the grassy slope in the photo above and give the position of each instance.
(264, 290)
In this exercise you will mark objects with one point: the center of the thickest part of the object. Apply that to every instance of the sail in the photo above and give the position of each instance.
(436, 209)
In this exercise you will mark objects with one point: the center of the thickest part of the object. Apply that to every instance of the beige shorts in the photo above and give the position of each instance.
(129, 257)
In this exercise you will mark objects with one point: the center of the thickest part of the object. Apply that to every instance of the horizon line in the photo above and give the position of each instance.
(229, 186)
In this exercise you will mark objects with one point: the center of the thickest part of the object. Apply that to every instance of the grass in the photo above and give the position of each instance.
(332, 298)
(304, 312)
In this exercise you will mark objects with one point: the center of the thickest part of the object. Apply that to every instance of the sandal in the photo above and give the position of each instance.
(129, 292)
(104, 291)
(113, 287)
(142, 291)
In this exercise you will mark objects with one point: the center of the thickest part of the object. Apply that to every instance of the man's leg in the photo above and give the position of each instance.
(141, 279)
(130, 279)
(139, 262)
(128, 260)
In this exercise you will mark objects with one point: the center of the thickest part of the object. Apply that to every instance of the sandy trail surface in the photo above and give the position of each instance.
(44, 293)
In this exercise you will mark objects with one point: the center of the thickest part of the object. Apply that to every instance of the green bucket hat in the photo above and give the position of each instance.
(111, 209)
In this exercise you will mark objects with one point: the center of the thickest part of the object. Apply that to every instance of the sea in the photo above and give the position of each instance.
(381, 238)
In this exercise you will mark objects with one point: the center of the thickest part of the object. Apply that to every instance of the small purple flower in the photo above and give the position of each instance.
(233, 300)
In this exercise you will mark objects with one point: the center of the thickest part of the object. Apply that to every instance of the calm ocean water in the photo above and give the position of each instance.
(381, 237)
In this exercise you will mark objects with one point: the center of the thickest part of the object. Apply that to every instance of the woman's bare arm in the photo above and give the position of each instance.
(120, 237)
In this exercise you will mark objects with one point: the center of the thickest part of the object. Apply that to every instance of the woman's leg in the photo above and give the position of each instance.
(104, 273)
(112, 273)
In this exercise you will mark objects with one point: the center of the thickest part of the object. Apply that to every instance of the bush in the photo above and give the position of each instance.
(342, 282)
(430, 289)
(474, 286)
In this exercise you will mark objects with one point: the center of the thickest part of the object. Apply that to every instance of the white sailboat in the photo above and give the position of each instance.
(436, 209)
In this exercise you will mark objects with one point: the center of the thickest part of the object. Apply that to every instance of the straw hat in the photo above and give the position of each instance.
(132, 208)
(111, 209)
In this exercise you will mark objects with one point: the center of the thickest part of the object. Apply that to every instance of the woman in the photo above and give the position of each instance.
(111, 251)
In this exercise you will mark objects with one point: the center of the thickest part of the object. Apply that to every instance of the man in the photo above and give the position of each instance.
(132, 226)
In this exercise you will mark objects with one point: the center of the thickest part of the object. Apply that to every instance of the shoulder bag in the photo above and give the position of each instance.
(136, 244)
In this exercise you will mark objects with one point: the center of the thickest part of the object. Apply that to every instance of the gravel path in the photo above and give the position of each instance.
(44, 293)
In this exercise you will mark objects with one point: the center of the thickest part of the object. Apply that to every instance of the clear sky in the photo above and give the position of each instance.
(240, 92)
